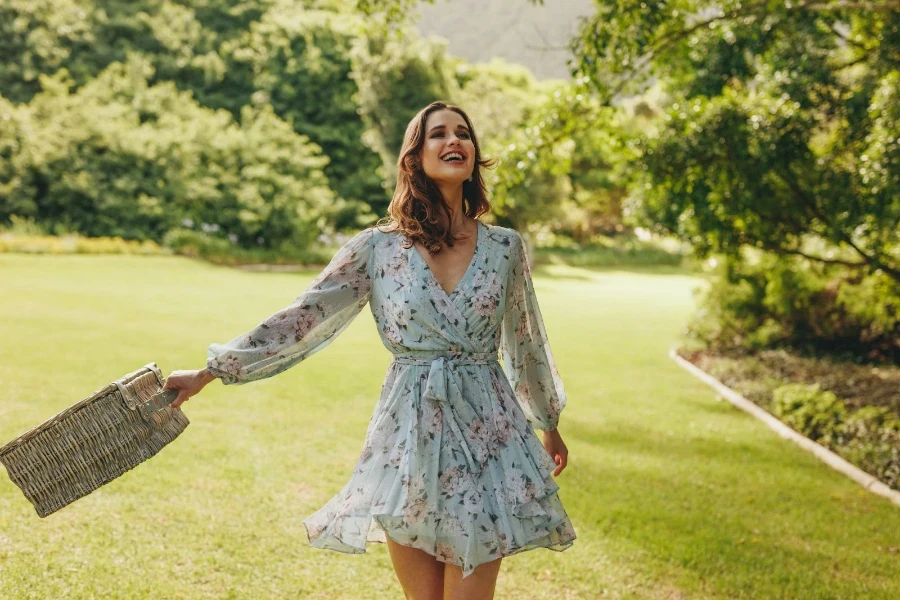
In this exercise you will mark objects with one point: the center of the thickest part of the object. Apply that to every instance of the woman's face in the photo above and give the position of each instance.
(448, 153)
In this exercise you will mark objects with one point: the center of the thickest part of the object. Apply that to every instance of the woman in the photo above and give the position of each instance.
(451, 476)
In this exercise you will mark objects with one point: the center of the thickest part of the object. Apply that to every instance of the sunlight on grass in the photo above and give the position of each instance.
(673, 493)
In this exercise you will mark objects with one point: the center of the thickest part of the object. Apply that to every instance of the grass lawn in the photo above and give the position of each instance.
(673, 492)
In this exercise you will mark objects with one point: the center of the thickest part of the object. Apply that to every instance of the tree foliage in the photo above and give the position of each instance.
(122, 157)
(335, 77)
(299, 61)
(782, 129)
(229, 54)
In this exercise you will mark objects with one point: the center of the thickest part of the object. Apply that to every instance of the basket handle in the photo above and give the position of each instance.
(158, 401)
(134, 398)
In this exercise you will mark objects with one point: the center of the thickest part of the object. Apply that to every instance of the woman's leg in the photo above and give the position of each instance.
(479, 585)
(421, 575)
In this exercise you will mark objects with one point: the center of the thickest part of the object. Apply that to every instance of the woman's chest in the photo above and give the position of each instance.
(470, 285)
(448, 267)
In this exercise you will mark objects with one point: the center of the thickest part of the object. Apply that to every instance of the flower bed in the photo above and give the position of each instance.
(854, 410)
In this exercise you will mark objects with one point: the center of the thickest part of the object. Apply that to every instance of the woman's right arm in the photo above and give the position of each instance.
(307, 325)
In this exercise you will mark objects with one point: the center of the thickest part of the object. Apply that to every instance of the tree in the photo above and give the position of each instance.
(762, 144)
(299, 61)
(122, 157)
(293, 55)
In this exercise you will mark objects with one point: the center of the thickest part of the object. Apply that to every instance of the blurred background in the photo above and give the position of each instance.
(720, 176)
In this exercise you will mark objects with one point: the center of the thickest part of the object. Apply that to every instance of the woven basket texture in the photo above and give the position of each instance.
(93, 441)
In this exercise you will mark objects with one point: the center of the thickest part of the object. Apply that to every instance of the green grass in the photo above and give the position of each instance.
(673, 493)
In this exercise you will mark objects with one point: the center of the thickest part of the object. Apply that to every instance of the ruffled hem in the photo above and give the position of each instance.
(347, 523)
(414, 483)
(559, 536)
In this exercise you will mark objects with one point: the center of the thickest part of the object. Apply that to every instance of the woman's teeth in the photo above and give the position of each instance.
(452, 157)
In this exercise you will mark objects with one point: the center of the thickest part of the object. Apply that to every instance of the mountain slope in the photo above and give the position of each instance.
(533, 36)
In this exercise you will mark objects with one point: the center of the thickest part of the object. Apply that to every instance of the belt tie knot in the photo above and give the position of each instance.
(444, 386)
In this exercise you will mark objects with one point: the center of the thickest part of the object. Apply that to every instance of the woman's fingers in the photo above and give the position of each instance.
(561, 461)
(172, 383)
(185, 383)
(181, 399)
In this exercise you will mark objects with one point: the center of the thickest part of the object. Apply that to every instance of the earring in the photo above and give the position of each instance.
(471, 176)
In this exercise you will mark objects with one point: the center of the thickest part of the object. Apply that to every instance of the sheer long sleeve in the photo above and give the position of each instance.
(309, 324)
(525, 348)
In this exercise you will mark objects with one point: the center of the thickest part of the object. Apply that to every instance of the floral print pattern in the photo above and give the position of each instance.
(458, 471)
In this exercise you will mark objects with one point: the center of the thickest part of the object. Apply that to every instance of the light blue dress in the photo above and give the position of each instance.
(450, 463)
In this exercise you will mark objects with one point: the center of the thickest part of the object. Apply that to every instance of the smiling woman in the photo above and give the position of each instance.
(451, 476)
(439, 183)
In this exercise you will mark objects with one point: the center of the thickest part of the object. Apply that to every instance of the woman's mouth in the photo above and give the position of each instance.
(454, 158)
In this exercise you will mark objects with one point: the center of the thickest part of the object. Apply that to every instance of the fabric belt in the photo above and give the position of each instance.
(441, 369)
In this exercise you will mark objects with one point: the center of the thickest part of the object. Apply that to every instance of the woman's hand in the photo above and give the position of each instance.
(188, 383)
(554, 444)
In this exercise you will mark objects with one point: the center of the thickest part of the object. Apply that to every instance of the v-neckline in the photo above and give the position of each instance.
(435, 282)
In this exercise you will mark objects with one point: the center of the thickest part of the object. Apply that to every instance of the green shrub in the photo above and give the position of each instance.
(815, 413)
(76, 244)
(874, 303)
(125, 156)
(197, 244)
(23, 226)
(870, 439)
(621, 251)
(179, 241)
(770, 333)
(770, 301)
(727, 311)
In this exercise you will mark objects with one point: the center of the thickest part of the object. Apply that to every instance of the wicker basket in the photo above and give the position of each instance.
(94, 441)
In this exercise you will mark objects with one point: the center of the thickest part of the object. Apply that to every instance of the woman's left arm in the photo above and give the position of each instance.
(527, 359)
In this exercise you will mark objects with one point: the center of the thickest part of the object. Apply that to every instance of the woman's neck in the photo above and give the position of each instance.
(453, 196)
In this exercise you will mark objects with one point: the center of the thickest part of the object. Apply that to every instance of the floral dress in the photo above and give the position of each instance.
(450, 463)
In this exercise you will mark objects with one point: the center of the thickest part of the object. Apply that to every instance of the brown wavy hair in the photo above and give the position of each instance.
(417, 199)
